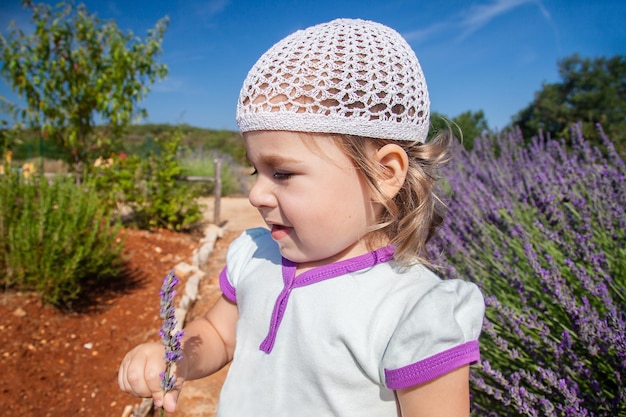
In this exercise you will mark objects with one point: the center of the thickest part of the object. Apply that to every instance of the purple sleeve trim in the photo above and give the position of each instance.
(433, 367)
(228, 290)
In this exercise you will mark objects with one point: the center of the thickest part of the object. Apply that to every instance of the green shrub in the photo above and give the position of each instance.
(169, 202)
(150, 188)
(54, 237)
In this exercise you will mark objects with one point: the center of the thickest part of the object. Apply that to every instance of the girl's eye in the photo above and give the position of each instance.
(254, 172)
(282, 176)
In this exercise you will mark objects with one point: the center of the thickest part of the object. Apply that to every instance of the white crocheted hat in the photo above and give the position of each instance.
(348, 76)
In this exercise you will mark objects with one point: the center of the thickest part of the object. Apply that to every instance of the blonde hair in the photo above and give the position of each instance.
(414, 214)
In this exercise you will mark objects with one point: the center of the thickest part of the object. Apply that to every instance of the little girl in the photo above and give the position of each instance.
(333, 311)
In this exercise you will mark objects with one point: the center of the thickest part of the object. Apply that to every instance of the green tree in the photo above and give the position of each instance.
(75, 70)
(591, 91)
(473, 125)
(4, 140)
(468, 125)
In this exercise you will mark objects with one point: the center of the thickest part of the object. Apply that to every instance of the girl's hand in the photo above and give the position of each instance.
(140, 371)
(208, 345)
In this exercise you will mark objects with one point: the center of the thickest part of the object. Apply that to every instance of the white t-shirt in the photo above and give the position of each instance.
(338, 339)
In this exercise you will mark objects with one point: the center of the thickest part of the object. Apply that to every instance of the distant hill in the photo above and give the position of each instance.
(136, 139)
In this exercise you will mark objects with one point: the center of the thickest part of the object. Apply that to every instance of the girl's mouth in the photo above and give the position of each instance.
(278, 232)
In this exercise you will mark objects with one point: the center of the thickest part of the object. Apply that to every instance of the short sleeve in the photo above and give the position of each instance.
(437, 334)
(240, 253)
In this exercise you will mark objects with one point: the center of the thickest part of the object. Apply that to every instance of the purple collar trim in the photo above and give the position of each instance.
(312, 276)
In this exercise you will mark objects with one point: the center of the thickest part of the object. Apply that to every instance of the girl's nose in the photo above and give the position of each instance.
(260, 194)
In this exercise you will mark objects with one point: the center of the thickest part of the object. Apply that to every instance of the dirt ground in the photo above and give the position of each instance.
(65, 363)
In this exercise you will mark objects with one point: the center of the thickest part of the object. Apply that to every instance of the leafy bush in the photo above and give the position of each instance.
(168, 202)
(118, 181)
(149, 187)
(54, 237)
(542, 231)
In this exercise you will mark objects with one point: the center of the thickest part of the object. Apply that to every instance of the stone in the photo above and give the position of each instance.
(183, 270)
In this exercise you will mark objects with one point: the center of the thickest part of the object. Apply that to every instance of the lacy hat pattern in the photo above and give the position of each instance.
(347, 76)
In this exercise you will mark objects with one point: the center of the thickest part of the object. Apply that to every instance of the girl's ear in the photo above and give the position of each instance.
(394, 163)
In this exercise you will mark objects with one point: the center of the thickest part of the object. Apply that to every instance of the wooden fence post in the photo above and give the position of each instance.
(217, 164)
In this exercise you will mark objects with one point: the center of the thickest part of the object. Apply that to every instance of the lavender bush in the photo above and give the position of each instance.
(541, 229)
(55, 237)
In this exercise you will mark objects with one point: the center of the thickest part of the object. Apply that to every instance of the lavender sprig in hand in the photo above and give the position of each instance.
(169, 335)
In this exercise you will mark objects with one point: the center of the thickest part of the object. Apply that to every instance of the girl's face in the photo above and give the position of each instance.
(315, 202)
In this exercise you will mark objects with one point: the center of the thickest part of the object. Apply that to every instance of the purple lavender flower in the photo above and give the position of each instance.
(170, 336)
(540, 227)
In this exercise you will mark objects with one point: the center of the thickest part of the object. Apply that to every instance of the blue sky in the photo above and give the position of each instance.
(489, 55)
